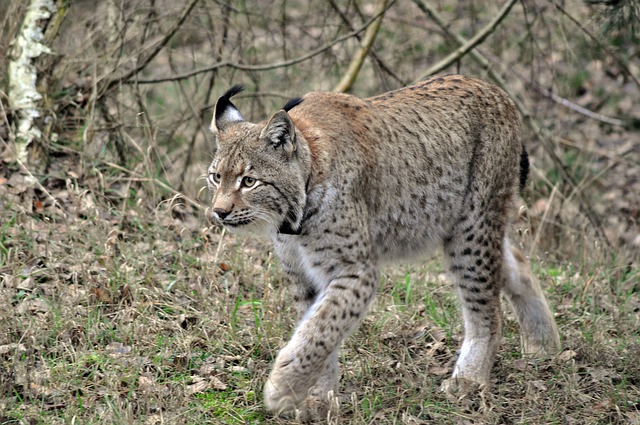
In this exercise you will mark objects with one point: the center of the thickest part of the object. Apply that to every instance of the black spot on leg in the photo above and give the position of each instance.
(311, 293)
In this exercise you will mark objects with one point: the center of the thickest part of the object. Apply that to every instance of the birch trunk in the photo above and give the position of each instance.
(23, 94)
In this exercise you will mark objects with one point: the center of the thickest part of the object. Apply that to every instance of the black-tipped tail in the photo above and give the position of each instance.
(524, 168)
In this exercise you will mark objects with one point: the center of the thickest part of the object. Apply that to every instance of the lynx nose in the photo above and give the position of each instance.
(221, 213)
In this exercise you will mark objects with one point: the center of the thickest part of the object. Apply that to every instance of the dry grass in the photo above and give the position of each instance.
(129, 317)
(121, 306)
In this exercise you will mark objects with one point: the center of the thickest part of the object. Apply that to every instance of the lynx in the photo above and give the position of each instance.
(343, 185)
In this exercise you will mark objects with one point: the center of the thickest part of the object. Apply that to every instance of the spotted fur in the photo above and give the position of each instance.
(343, 185)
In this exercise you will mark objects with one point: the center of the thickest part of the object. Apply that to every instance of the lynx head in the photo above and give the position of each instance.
(259, 172)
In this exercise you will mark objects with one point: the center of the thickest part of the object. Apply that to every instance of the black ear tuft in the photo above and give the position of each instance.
(226, 112)
(233, 91)
(224, 101)
(292, 103)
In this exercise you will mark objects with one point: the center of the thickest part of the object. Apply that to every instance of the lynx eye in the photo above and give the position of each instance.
(248, 181)
(214, 178)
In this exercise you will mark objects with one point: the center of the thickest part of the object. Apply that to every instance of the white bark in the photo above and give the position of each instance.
(23, 95)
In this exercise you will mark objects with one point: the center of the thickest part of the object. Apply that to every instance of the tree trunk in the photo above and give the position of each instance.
(24, 97)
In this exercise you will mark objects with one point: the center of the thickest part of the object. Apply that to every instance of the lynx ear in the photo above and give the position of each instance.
(280, 133)
(225, 112)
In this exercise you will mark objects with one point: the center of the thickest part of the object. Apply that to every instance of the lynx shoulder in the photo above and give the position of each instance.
(343, 185)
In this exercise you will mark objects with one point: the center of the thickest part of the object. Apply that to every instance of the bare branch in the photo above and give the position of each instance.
(119, 80)
(365, 46)
(268, 66)
(382, 66)
(469, 45)
(575, 107)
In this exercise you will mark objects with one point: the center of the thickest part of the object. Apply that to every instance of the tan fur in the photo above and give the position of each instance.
(344, 184)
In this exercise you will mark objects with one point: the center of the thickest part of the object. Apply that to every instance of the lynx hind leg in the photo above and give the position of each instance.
(538, 328)
(473, 258)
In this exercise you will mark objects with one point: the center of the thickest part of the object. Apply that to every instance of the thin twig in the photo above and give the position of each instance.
(543, 220)
(575, 107)
(382, 66)
(543, 134)
(141, 178)
(267, 66)
(158, 48)
(365, 46)
(35, 181)
(469, 45)
(563, 101)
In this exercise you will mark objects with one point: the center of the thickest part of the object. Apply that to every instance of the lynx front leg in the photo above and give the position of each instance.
(313, 349)
(318, 402)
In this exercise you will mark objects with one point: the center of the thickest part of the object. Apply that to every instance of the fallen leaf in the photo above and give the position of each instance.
(200, 385)
(4, 349)
(439, 370)
(217, 384)
(99, 294)
(538, 384)
(567, 355)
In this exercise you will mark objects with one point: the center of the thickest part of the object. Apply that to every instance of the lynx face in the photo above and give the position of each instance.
(255, 176)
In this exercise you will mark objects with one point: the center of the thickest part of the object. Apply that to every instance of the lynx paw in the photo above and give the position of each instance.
(468, 395)
(319, 408)
(282, 394)
(458, 387)
(289, 382)
(541, 343)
